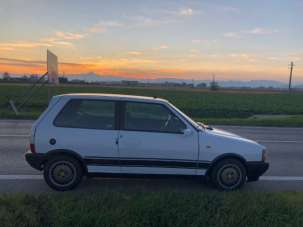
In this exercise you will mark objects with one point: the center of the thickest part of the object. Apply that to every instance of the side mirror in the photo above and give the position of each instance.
(187, 132)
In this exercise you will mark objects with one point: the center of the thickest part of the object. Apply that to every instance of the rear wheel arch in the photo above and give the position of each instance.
(69, 153)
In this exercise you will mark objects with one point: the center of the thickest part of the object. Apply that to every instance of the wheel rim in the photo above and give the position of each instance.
(229, 176)
(62, 173)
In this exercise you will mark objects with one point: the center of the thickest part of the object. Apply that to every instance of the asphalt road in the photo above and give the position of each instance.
(285, 154)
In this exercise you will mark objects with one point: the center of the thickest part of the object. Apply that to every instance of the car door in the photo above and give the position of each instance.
(89, 128)
(153, 140)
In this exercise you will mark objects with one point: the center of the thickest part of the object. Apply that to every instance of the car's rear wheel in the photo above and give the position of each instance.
(63, 173)
(228, 174)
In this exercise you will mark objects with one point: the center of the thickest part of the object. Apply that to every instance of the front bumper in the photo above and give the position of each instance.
(256, 169)
(35, 160)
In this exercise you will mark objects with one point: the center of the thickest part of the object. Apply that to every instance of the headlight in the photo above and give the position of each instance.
(264, 155)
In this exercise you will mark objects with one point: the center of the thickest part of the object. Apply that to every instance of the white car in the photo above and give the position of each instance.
(104, 134)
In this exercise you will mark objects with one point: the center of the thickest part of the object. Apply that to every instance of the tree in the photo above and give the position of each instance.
(202, 85)
(63, 80)
(33, 77)
(214, 86)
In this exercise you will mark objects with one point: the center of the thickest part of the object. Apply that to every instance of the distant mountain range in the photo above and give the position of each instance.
(93, 77)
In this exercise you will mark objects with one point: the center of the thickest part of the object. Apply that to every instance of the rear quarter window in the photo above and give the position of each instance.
(87, 114)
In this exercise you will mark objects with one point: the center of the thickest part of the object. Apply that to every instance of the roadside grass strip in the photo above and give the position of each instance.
(152, 209)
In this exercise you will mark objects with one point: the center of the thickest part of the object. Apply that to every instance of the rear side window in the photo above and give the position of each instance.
(88, 114)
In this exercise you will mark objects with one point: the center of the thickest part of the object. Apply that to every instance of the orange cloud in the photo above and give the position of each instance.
(69, 35)
(135, 53)
(23, 44)
(59, 39)
(150, 69)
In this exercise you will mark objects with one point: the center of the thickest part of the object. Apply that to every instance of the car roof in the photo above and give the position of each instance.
(113, 97)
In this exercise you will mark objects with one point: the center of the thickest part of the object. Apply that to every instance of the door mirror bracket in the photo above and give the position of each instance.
(187, 132)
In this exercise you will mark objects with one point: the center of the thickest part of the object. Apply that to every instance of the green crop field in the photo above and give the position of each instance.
(220, 107)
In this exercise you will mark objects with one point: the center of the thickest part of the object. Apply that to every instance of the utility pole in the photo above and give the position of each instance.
(290, 76)
(214, 85)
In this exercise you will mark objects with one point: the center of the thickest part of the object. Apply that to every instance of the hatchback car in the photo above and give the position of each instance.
(103, 134)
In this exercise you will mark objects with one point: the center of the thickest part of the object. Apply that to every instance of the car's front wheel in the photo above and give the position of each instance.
(63, 173)
(228, 174)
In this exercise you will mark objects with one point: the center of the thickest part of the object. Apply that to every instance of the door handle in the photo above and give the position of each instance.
(118, 138)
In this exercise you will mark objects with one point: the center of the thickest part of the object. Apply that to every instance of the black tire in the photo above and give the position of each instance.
(228, 174)
(63, 172)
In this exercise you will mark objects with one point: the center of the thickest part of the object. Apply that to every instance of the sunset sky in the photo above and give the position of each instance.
(236, 39)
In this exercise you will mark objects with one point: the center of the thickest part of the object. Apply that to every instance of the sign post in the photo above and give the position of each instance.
(52, 68)
(52, 79)
(52, 72)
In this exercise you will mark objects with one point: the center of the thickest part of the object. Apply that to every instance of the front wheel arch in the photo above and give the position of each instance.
(225, 156)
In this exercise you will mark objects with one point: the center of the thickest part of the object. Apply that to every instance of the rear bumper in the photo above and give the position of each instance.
(35, 160)
(256, 169)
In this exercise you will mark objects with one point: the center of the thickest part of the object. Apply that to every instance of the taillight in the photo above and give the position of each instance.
(32, 148)
(264, 155)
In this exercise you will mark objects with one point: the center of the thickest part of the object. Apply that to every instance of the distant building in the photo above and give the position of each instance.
(77, 81)
(130, 82)
(6, 76)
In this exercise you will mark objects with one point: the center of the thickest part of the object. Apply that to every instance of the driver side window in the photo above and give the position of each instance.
(151, 117)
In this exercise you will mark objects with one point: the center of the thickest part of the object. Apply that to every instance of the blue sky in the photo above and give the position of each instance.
(184, 39)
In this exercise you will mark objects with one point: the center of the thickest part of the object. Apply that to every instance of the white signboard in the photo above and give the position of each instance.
(52, 68)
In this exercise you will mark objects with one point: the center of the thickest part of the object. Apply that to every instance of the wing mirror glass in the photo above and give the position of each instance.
(187, 132)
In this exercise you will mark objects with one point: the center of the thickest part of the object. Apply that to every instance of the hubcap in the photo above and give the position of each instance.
(62, 173)
(229, 176)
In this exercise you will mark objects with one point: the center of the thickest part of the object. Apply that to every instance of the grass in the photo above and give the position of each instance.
(221, 107)
(153, 209)
(274, 121)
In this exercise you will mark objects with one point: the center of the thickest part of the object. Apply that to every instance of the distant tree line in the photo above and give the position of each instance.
(7, 78)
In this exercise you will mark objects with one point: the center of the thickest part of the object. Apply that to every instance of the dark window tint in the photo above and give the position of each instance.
(90, 114)
(151, 117)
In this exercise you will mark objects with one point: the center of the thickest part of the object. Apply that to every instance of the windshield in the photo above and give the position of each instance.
(195, 124)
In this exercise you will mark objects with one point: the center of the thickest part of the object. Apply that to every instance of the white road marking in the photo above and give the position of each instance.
(40, 177)
(281, 178)
(279, 141)
(15, 135)
(21, 177)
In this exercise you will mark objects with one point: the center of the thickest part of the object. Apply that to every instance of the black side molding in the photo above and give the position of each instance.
(146, 162)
